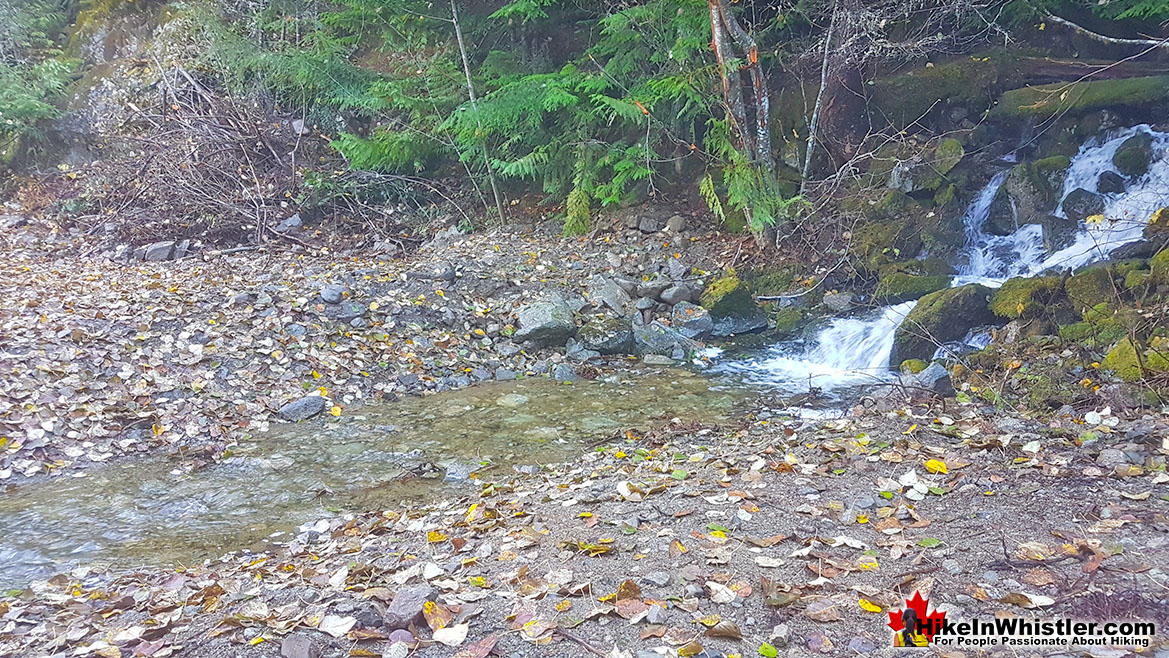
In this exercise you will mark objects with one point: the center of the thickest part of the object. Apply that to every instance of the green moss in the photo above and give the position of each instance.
(947, 155)
(945, 196)
(1051, 172)
(923, 267)
(769, 281)
(1133, 156)
(881, 243)
(913, 366)
(1076, 98)
(1136, 279)
(897, 287)
(719, 288)
(726, 296)
(1124, 361)
(788, 321)
(1090, 287)
(1025, 297)
(1159, 267)
(969, 82)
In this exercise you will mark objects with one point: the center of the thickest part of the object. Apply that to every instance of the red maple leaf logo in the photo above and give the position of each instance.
(930, 622)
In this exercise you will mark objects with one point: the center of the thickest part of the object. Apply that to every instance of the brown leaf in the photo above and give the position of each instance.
(479, 649)
(823, 610)
(726, 630)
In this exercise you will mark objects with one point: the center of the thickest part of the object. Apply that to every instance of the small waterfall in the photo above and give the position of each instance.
(855, 351)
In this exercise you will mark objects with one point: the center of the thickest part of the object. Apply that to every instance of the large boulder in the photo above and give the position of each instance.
(607, 335)
(605, 292)
(881, 243)
(1026, 297)
(1133, 157)
(941, 317)
(1027, 196)
(732, 308)
(302, 409)
(548, 322)
(897, 287)
(935, 379)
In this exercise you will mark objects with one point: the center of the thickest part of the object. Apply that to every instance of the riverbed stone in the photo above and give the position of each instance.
(607, 335)
(332, 293)
(650, 223)
(1081, 204)
(941, 317)
(1110, 182)
(564, 373)
(1133, 157)
(731, 306)
(605, 292)
(657, 338)
(547, 322)
(935, 379)
(302, 409)
(406, 606)
(840, 302)
(691, 320)
(159, 251)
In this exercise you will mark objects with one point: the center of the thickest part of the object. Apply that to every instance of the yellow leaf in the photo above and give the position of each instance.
(1094, 219)
(862, 518)
(563, 606)
(435, 537)
(336, 411)
(869, 606)
(373, 306)
(936, 466)
(911, 430)
(316, 375)
(256, 640)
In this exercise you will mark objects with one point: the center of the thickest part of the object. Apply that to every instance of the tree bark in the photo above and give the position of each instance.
(475, 107)
(731, 81)
(814, 124)
(760, 90)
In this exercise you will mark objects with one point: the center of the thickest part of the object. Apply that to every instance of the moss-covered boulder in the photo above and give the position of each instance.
(1124, 361)
(789, 321)
(881, 243)
(607, 335)
(1078, 98)
(897, 287)
(1023, 297)
(731, 306)
(1159, 267)
(941, 317)
(1133, 157)
(1090, 287)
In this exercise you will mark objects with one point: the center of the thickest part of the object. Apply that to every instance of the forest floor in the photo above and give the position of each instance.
(753, 538)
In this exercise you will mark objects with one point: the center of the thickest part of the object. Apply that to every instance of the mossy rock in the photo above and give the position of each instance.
(1136, 279)
(1062, 98)
(722, 290)
(941, 317)
(897, 287)
(731, 306)
(967, 82)
(948, 154)
(913, 366)
(881, 243)
(1027, 195)
(1159, 267)
(789, 321)
(945, 195)
(1090, 287)
(892, 205)
(1051, 171)
(1101, 326)
(1026, 297)
(922, 267)
(1133, 157)
(1123, 360)
(769, 281)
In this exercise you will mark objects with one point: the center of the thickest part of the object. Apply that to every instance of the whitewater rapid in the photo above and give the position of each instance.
(854, 351)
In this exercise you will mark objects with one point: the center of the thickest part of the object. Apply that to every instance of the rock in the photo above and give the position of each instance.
(606, 292)
(302, 409)
(511, 400)
(650, 224)
(443, 272)
(333, 293)
(1081, 204)
(880, 243)
(839, 302)
(657, 338)
(406, 606)
(926, 171)
(731, 307)
(657, 360)
(182, 249)
(1133, 157)
(1112, 457)
(291, 225)
(653, 289)
(935, 378)
(607, 336)
(1026, 297)
(345, 312)
(676, 224)
(903, 282)
(954, 567)
(940, 317)
(676, 269)
(159, 251)
(1058, 232)
(299, 128)
(1110, 182)
(574, 350)
(691, 320)
(547, 322)
(1027, 196)
(861, 645)
(298, 645)
(504, 374)
(644, 304)
(657, 578)
(676, 294)
(780, 636)
(565, 373)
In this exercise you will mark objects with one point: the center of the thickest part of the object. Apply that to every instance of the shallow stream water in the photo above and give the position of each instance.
(148, 512)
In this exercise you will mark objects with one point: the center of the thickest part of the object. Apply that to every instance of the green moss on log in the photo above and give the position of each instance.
(1062, 98)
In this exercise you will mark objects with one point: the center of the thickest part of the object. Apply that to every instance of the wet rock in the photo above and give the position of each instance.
(731, 307)
(676, 224)
(1133, 157)
(512, 400)
(578, 352)
(1110, 182)
(1027, 195)
(941, 317)
(1058, 232)
(657, 338)
(505, 374)
(406, 606)
(1081, 204)
(157, 252)
(547, 322)
(691, 320)
(302, 409)
(607, 336)
(291, 225)
(657, 360)
(840, 302)
(565, 373)
(332, 293)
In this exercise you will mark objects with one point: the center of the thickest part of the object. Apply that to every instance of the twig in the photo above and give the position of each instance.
(588, 647)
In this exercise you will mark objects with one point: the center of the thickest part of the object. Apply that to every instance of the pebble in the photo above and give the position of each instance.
(332, 293)
(780, 635)
(657, 578)
(952, 566)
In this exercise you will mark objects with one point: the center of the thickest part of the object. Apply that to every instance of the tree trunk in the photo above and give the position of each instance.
(475, 107)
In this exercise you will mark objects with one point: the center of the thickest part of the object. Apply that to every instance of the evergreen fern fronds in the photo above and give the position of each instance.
(526, 167)
(710, 195)
(576, 221)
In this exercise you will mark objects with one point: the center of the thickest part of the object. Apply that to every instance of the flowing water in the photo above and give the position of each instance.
(850, 352)
(149, 512)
